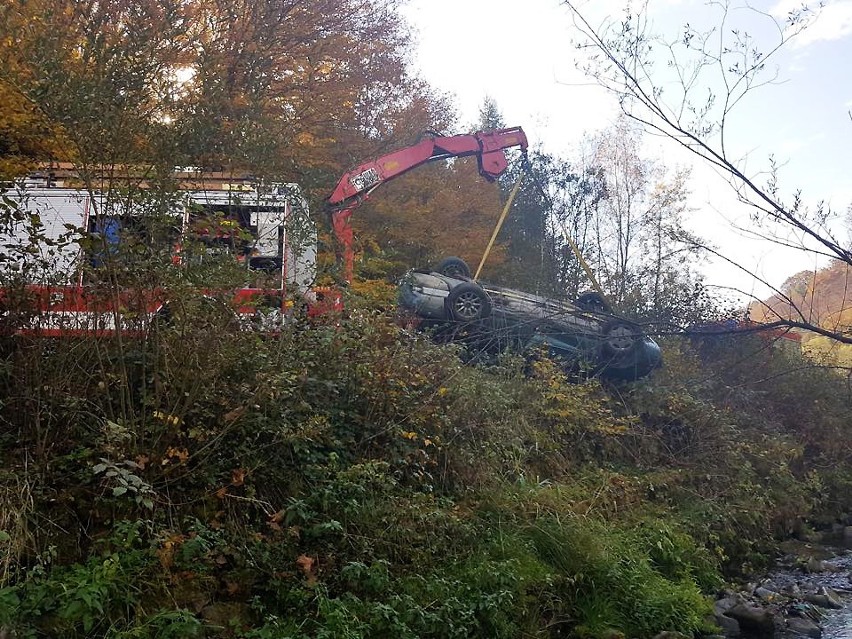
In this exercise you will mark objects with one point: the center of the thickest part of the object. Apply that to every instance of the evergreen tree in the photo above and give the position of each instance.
(490, 116)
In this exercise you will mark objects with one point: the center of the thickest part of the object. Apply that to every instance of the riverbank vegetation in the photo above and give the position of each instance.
(350, 479)
(345, 478)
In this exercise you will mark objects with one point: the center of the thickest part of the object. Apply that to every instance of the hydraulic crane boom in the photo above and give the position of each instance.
(356, 185)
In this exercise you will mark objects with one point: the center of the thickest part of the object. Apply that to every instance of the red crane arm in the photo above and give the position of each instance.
(357, 184)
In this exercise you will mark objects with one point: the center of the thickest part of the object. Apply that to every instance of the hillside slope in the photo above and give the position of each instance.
(349, 479)
(822, 297)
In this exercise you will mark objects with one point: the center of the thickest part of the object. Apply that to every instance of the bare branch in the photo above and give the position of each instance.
(622, 61)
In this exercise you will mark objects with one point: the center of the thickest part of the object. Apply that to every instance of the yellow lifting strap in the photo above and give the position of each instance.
(576, 250)
(499, 225)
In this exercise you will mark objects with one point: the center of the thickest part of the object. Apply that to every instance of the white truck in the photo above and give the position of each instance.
(53, 239)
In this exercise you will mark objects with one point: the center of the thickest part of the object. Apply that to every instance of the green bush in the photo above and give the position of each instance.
(347, 478)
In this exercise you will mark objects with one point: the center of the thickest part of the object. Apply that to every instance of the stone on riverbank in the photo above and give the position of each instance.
(730, 626)
(753, 619)
(825, 598)
(815, 565)
(804, 627)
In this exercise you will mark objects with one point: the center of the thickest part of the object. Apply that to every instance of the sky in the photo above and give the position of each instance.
(523, 55)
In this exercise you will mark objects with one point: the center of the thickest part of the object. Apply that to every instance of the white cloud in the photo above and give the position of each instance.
(834, 21)
(783, 7)
(788, 147)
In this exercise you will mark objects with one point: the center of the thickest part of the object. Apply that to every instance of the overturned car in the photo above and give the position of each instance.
(584, 336)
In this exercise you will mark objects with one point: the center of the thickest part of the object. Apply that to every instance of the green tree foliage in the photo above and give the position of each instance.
(532, 235)
(555, 202)
(490, 116)
(624, 214)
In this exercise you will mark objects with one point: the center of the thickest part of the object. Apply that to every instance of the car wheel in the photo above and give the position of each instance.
(453, 267)
(467, 302)
(620, 338)
(592, 301)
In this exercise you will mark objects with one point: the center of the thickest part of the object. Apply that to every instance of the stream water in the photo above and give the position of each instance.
(836, 624)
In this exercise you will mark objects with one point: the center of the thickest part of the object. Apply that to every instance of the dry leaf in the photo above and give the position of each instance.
(306, 565)
(238, 476)
(233, 414)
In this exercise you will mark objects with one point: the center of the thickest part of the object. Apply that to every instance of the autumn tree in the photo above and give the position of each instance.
(274, 87)
(316, 85)
(27, 137)
(289, 90)
(706, 75)
(99, 72)
(643, 253)
(440, 209)
(421, 216)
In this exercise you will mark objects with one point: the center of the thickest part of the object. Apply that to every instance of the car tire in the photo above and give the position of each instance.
(619, 338)
(453, 267)
(468, 302)
(594, 302)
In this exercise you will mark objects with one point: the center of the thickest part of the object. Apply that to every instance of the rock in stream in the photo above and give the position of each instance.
(809, 595)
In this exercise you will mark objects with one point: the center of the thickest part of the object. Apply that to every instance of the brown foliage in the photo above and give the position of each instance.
(26, 136)
(822, 298)
(255, 83)
(435, 211)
